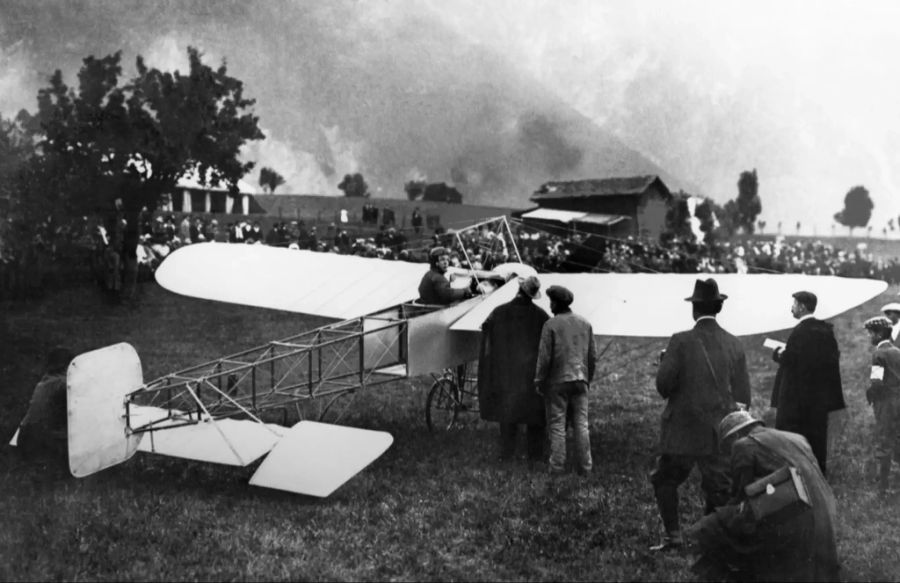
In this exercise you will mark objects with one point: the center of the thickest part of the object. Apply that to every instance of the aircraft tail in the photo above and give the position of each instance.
(98, 383)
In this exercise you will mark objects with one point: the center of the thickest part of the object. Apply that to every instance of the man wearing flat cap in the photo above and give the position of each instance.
(892, 312)
(703, 376)
(435, 287)
(808, 383)
(566, 361)
(736, 544)
(509, 348)
(884, 396)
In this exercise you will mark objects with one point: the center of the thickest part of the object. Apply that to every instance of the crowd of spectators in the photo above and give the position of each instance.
(811, 257)
(103, 243)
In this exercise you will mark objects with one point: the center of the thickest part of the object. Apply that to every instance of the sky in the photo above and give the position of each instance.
(803, 92)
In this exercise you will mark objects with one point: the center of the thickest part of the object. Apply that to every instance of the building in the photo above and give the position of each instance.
(617, 207)
(190, 196)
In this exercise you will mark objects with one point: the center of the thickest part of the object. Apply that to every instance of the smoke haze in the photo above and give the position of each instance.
(499, 97)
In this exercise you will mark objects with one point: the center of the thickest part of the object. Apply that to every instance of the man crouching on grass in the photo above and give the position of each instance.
(43, 433)
(741, 540)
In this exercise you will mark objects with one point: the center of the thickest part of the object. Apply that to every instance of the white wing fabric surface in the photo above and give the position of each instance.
(324, 284)
(652, 305)
(347, 286)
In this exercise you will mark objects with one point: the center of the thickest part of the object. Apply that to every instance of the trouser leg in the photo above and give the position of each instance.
(884, 473)
(714, 481)
(671, 471)
(535, 436)
(556, 403)
(817, 435)
(507, 440)
(579, 404)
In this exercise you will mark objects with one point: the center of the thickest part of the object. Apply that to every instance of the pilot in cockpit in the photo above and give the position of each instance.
(435, 286)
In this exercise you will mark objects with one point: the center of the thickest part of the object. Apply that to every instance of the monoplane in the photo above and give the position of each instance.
(233, 410)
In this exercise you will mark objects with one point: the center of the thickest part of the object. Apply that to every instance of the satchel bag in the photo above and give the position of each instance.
(779, 496)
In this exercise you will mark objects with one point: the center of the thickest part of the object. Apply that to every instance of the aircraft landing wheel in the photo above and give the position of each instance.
(442, 405)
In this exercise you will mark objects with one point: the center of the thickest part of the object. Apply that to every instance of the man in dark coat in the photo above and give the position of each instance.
(44, 430)
(736, 545)
(702, 375)
(510, 338)
(808, 383)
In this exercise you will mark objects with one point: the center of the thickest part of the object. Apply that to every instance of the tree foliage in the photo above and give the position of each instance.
(269, 179)
(678, 215)
(105, 140)
(748, 205)
(857, 208)
(414, 189)
(354, 185)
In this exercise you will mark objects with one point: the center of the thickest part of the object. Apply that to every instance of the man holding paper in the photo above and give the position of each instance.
(808, 382)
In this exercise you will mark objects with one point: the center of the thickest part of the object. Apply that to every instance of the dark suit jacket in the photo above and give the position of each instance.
(808, 383)
(509, 350)
(435, 289)
(699, 399)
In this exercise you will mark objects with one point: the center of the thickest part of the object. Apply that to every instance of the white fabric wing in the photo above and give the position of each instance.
(653, 305)
(324, 284)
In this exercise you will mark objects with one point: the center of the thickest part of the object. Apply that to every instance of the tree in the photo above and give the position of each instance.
(712, 219)
(748, 203)
(857, 209)
(270, 180)
(105, 141)
(414, 189)
(678, 215)
(354, 185)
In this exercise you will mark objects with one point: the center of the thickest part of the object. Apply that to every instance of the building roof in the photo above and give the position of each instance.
(629, 186)
(191, 180)
(567, 217)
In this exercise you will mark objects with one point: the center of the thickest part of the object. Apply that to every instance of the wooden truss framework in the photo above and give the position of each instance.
(325, 364)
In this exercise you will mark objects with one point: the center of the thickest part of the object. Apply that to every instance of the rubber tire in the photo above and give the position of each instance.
(442, 405)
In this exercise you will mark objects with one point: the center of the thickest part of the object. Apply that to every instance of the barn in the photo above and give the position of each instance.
(618, 207)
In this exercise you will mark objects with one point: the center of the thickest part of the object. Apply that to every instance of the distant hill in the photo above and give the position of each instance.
(348, 86)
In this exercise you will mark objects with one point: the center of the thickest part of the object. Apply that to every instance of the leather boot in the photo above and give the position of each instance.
(667, 501)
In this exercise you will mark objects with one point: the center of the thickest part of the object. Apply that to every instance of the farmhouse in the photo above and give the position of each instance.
(608, 206)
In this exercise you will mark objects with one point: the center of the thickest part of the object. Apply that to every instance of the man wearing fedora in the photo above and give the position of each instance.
(703, 376)
(808, 383)
(509, 350)
(566, 361)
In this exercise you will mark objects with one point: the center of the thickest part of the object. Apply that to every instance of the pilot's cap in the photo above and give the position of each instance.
(878, 323)
(437, 252)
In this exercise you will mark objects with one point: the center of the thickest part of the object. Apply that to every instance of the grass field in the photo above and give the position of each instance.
(434, 507)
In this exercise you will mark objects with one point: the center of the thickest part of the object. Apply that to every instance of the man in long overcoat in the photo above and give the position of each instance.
(510, 338)
(703, 376)
(808, 382)
(736, 545)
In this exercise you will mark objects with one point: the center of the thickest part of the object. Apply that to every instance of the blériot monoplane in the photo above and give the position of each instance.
(225, 411)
